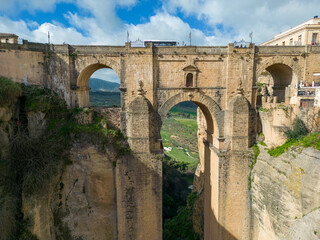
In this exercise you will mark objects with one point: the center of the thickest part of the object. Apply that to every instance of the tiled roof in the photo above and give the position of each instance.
(7, 35)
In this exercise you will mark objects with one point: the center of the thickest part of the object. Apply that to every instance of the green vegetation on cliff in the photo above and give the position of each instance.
(32, 161)
(9, 91)
(311, 140)
(299, 130)
(38, 99)
(298, 136)
(256, 152)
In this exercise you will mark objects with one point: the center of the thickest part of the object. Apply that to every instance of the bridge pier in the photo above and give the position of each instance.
(139, 178)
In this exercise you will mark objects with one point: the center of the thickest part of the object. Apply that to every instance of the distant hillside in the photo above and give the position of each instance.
(104, 98)
(186, 109)
(97, 84)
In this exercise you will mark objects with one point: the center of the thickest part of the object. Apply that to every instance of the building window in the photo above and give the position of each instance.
(283, 43)
(291, 41)
(189, 82)
(299, 39)
(7, 40)
(314, 39)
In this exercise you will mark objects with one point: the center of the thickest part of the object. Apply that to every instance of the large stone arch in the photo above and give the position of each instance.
(288, 61)
(211, 110)
(85, 74)
(280, 73)
(210, 151)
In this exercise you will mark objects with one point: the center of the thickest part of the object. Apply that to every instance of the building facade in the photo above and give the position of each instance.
(8, 38)
(303, 34)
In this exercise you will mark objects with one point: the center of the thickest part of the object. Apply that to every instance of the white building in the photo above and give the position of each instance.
(303, 34)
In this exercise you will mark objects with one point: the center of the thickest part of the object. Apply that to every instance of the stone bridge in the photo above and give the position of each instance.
(223, 81)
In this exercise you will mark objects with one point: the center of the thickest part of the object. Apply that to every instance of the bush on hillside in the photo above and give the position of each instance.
(9, 91)
(43, 100)
(180, 227)
(299, 130)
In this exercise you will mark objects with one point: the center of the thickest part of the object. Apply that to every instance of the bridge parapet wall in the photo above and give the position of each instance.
(275, 50)
(30, 46)
(187, 50)
(24, 63)
(96, 50)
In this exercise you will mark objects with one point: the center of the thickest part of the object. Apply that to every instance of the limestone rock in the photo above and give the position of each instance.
(5, 114)
(88, 197)
(39, 210)
(285, 191)
(37, 123)
(198, 214)
(85, 117)
(4, 142)
(198, 182)
(308, 227)
(80, 202)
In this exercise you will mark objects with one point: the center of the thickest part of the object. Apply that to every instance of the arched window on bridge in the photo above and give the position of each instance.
(104, 88)
(189, 80)
(282, 78)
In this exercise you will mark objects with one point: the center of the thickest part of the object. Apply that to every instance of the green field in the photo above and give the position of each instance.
(179, 132)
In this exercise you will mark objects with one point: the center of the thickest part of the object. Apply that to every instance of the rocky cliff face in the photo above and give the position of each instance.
(80, 202)
(286, 195)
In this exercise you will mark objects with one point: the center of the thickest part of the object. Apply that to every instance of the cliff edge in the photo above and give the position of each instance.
(286, 194)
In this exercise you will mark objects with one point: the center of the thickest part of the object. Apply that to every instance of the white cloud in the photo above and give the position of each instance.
(162, 26)
(98, 23)
(32, 24)
(58, 34)
(13, 7)
(102, 26)
(265, 18)
(126, 3)
(106, 74)
(103, 12)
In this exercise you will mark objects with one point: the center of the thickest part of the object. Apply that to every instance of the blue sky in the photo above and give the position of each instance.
(212, 22)
(106, 22)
